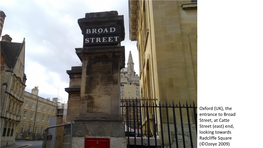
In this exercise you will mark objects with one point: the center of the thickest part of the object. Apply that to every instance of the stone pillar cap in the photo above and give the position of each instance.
(100, 19)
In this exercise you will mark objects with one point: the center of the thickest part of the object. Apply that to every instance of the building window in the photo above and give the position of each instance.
(29, 128)
(54, 110)
(22, 129)
(33, 105)
(137, 90)
(35, 130)
(48, 109)
(41, 130)
(18, 110)
(12, 131)
(44, 108)
(8, 131)
(122, 90)
(43, 119)
(48, 119)
(39, 106)
(31, 117)
(26, 104)
(25, 114)
(4, 131)
(37, 117)
(9, 107)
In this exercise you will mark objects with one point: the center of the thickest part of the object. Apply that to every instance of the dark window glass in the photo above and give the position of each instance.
(8, 131)
(12, 130)
(4, 131)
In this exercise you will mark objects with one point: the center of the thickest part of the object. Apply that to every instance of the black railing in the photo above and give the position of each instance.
(151, 124)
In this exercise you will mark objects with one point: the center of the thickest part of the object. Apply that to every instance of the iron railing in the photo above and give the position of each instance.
(152, 124)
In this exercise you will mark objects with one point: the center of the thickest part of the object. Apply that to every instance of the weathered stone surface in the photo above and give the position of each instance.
(78, 142)
(101, 14)
(87, 128)
(93, 82)
(99, 19)
(118, 142)
(171, 41)
(111, 129)
(97, 103)
(101, 76)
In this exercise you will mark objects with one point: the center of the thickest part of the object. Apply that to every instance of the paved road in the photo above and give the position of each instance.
(26, 144)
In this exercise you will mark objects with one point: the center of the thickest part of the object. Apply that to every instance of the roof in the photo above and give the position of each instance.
(130, 61)
(2, 14)
(11, 52)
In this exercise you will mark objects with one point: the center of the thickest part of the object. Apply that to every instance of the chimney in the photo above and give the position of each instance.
(6, 38)
(55, 100)
(35, 90)
(2, 20)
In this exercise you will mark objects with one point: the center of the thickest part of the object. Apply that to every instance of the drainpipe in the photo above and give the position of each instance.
(6, 100)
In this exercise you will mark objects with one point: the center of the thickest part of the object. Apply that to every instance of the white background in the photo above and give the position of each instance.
(230, 64)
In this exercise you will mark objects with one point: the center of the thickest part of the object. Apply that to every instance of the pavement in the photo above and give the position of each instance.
(24, 143)
(15, 146)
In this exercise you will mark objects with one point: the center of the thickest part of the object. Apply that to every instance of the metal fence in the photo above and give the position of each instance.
(151, 124)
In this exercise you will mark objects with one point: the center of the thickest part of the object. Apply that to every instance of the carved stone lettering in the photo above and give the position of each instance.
(102, 30)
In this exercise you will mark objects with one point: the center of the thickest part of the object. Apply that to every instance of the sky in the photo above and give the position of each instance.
(51, 34)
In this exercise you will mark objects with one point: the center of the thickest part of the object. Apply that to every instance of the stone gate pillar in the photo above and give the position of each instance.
(102, 58)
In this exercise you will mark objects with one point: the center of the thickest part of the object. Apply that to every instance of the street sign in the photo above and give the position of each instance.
(49, 137)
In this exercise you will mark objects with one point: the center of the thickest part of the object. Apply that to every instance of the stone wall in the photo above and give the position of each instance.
(175, 46)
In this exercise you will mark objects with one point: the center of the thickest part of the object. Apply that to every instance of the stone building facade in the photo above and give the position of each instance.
(36, 114)
(94, 89)
(129, 90)
(62, 111)
(13, 81)
(166, 35)
(130, 81)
